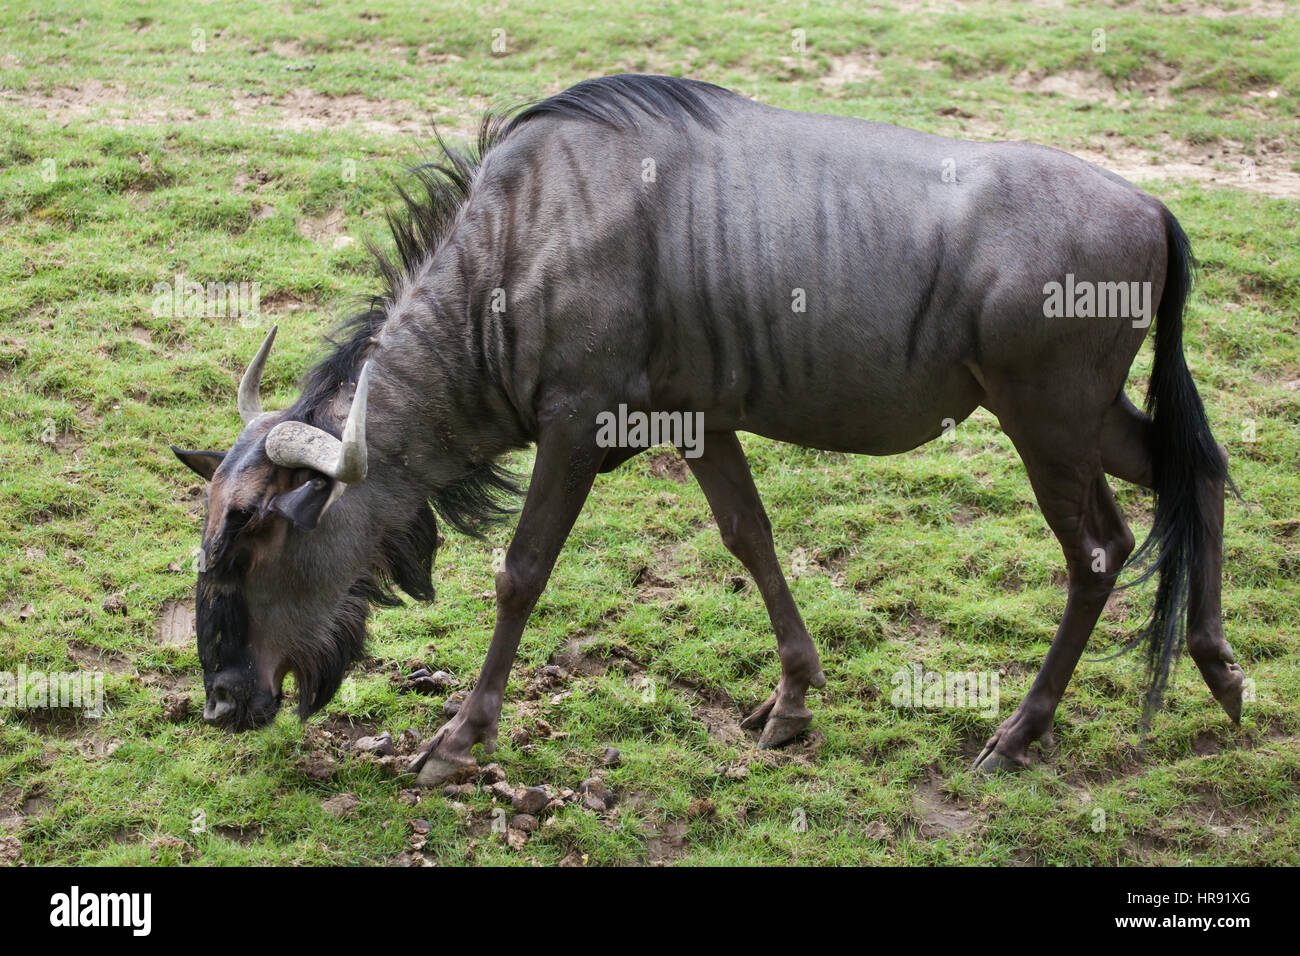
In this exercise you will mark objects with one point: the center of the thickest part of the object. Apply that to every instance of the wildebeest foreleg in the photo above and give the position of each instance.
(562, 476)
(723, 474)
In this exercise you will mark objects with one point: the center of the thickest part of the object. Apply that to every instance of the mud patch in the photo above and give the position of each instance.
(176, 624)
(1206, 744)
(1154, 86)
(666, 842)
(721, 723)
(940, 814)
(239, 834)
(300, 110)
(1267, 171)
(286, 302)
(108, 104)
(851, 68)
(304, 110)
(322, 228)
(669, 465)
(90, 657)
(1226, 164)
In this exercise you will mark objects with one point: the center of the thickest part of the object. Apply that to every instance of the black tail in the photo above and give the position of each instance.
(1185, 455)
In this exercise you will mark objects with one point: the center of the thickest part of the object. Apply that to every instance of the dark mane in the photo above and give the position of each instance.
(428, 210)
(616, 101)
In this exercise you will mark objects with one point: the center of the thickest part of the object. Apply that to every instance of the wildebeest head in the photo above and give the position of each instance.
(295, 548)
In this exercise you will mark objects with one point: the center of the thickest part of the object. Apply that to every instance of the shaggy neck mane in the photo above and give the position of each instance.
(483, 493)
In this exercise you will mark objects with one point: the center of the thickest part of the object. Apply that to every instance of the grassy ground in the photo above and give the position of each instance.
(244, 142)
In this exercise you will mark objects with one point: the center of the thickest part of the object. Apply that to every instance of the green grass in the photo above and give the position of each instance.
(213, 164)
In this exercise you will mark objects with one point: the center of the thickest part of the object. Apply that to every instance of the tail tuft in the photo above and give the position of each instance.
(1186, 459)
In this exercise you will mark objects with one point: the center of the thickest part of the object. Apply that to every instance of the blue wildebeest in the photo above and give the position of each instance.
(670, 246)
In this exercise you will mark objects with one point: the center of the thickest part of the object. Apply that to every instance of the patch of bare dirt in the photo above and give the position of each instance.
(666, 842)
(579, 657)
(653, 586)
(1153, 86)
(668, 464)
(940, 814)
(285, 302)
(304, 110)
(109, 104)
(850, 68)
(176, 624)
(1227, 163)
(1209, 9)
(322, 228)
(722, 723)
(239, 834)
(90, 657)
(1206, 744)
(300, 110)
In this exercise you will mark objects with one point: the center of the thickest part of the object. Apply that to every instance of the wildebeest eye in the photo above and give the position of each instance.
(237, 520)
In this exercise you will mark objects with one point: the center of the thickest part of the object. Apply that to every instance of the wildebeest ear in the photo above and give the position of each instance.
(202, 463)
(303, 505)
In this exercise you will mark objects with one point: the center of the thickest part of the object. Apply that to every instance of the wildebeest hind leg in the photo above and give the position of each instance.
(723, 474)
(1126, 453)
(566, 466)
(1061, 453)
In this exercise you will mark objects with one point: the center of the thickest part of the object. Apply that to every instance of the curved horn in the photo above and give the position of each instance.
(351, 466)
(299, 445)
(250, 386)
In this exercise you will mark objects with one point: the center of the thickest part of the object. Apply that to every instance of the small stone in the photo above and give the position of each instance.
(502, 791)
(595, 786)
(409, 798)
(454, 790)
(523, 821)
(451, 706)
(530, 801)
(593, 802)
(611, 757)
(381, 746)
(419, 826)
